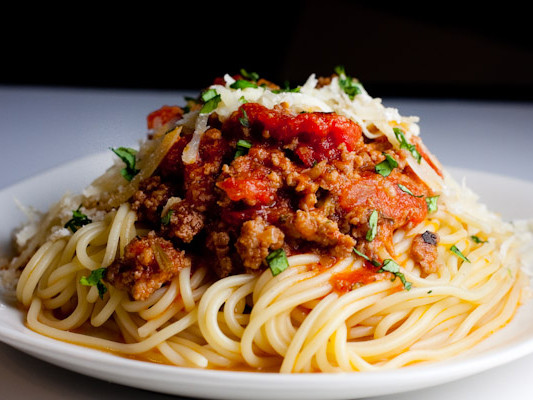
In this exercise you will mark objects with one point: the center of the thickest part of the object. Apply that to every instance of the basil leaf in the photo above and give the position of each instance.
(432, 203)
(95, 279)
(458, 253)
(211, 99)
(477, 240)
(166, 219)
(385, 167)
(374, 262)
(127, 155)
(243, 100)
(406, 190)
(404, 144)
(242, 84)
(373, 224)
(244, 119)
(242, 148)
(78, 220)
(277, 261)
(254, 76)
(349, 85)
(393, 267)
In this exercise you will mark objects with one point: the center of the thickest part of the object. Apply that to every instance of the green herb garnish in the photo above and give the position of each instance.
(242, 84)
(374, 262)
(385, 167)
(277, 261)
(243, 100)
(404, 144)
(211, 99)
(349, 85)
(432, 203)
(373, 224)
(477, 239)
(166, 218)
(254, 76)
(406, 190)
(392, 267)
(95, 279)
(78, 220)
(244, 119)
(458, 253)
(127, 155)
(242, 148)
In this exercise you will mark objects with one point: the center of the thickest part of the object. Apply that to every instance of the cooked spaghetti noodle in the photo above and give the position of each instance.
(328, 311)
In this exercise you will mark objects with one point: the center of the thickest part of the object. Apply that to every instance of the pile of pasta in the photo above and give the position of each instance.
(292, 322)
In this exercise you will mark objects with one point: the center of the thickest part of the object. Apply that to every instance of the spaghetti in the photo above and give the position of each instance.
(415, 285)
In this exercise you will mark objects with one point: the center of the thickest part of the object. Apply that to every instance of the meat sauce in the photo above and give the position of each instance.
(346, 281)
(306, 183)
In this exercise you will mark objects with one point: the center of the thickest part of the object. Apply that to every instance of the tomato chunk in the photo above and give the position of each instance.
(372, 191)
(253, 191)
(318, 134)
(165, 114)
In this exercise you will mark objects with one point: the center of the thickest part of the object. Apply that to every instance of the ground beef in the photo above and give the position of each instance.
(424, 252)
(200, 177)
(266, 179)
(148, 263)
(150, 199)
(185, 221)
(257, 239)
(220, 246)
(313, 226)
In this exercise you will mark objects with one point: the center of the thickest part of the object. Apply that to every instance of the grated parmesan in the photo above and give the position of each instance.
(369, 113)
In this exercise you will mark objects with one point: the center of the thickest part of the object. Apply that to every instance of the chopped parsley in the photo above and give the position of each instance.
(349, 85)
(406, 190)
(243, 100)
(95, 279)
(458, 253)
(374, 262)
(432, 203)
(254, 76)
(242, 84)
(277, 261)
(211, 98)
(392, 267)
(373, 224)
(244, 119)
(404, 144)
(242, 148)
(477, 239)
(77, 221)
(385, 167)
(166, 219)
(127, 155)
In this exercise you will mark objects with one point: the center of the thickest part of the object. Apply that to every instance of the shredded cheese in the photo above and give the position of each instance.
(369, 113)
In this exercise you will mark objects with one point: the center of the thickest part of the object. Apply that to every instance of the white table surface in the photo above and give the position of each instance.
(42, 128)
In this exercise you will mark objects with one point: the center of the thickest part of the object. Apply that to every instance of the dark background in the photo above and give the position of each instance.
(440, 50)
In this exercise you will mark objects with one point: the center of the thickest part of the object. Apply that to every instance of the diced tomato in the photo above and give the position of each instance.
(344, 282)
(158, 118)
(254, 191)
(318, 134)
(372, 191)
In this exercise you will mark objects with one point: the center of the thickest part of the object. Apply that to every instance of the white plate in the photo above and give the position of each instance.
(510, 343)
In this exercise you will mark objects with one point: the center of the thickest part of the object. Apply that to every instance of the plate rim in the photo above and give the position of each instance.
(429, 374)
